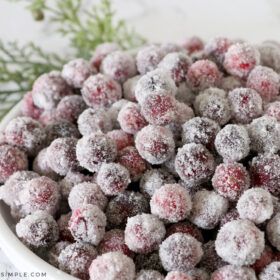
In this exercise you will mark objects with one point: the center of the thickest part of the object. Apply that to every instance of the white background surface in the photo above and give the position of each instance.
(157, 20)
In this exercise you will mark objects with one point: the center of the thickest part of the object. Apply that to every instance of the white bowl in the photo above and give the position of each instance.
(22, 258)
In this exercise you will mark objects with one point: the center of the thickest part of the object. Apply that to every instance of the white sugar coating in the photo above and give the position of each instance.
(273, 110)
(156, 81)
(208, 209)
(113, 178)
(240, 242)
(144, 233)
(246, 104)
(155, 144)
(273, 231)
(130, 118)
(77, 71)
(194, 163)
(178, 275)
(94, 149)
(232, 142)
(149, 275)
(61, 129)
(153, 179)
(271, 271)
(185, 94)
(100, 91)
(199, 274)
(119, 65)
(229, 83)
(126, 204)
(38, 229)
(177, 65)
(180, 252)
(200, 130)
(213, 103)
(255, 205)
(71, 179)
(171, 202)
(112, 266)
(148, 58)
(92, 120)
(61, 155)
(40, 193)
(270, 56)
(240, 59)
(49, 89)
(87, 193)
(76, 258)
(232, 272)
(25, 133)
(113, 112)
(55, 252)
(41, 166)
(87, 224)
(264, 133)
(129, 88)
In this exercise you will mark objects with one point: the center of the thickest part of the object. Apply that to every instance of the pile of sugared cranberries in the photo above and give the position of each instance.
(151, 164)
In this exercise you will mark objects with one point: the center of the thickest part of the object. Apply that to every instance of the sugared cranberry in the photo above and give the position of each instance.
(100, 91)
(192, 44)
(55, 252)
(47, 117)
(95, 149)
(38, 229)
(230, 83)
(240, 242)
(203, 74)
(273, 231)
(119, 65)
(155, 144)
(199, 274)
(271, 272)
(231, 180)
(144, 233)
(273, 110)
(180, 252)
(148, 261)
(270, 56)
(28, 108)
(87, 224)
(231, 215)
(230, 272)
(64, 232)
(112, 266)
(240, 59)
(170, 47)
(149, 275)
(49, 89)
(178, 275)
(129, 88)
(26, 134)
(121, 138)
(114, 241)
(265, 259)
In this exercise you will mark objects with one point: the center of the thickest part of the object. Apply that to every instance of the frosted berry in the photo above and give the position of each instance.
(149, 275)
(203, 74)
(76, 259)
(100, 91)
(170, 48)
(70, 107)
(273, 110)
(240, 242)
(194, 163)
(112, 266)
(11, 160)
(49, 89)
(121, 138)
(264, 133)
(119, 65)
(55, 251)
(95, 149)
(233, 143)
(273, 231)
(199, 274)
(130, 158)
(231, 180)
(255, 205)
(192, 44)
(230, 272)
(264, 81)
(87, 193)
(129, 88)
(76, 72)
(28, 108)
(87, 224)
(155, 144)
(208, 209)
(171, 203)
(64, 232)
(230, 83)
(25, 133)
(240, 59)
(144, 233)
(265, 259)
(246, 105)
(270, 56)
(131, 119)
(177, 275)
(92, 120)
(47, 117)
(38, 229)
(148, 58)
(113, 241)
(271, 272)
(180, 252)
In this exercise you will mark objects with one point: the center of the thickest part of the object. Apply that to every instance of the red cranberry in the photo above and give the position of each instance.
(129, 88)
(28, 108)
(230, 272)
(121, 138)
(265, 259)
(273, 110)
(231, 215)
(64, 232)
(192, 44)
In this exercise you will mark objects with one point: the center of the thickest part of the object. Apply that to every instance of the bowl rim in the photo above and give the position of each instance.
(19, 255)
